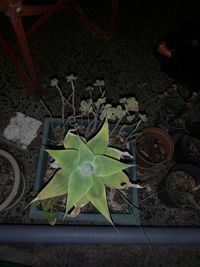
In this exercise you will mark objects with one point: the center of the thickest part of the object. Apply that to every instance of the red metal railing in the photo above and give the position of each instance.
(15, 10)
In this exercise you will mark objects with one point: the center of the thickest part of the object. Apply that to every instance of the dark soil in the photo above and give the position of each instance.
(183, 190)
(151, 149)
(193, 145)
(6, 179)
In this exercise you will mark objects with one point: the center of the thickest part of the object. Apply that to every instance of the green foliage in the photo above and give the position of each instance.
(97, 107)
(101, 101)
(108, 112)
(87, 167)
(86, 106)
(131, 104)
(126, 110)
(49, 211)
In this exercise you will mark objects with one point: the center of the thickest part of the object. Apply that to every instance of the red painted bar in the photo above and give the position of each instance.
(15, 9)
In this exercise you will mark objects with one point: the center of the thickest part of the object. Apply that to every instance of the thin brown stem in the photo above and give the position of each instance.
(48, 110)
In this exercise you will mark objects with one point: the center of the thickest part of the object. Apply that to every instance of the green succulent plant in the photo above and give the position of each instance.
(86, 168)
(108, 112)
(86, 106)
(100, 101)
(130, 103)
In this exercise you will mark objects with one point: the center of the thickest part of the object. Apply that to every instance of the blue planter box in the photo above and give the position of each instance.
(130, 218)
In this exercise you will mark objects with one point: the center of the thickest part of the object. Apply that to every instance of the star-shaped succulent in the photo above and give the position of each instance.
(86, 168)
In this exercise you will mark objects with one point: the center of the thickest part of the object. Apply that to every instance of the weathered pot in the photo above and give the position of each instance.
(176, 104)
(163, 192)
(166, 141)
(18, 187)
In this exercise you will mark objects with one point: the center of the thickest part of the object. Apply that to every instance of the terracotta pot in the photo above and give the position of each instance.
(166, 141)
(163, 191)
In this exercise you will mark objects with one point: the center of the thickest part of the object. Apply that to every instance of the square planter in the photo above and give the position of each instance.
(36, 212)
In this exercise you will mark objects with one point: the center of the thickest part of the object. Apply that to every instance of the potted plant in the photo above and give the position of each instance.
(180, 188)
(178, 115)
(90, 156)
(153, 147)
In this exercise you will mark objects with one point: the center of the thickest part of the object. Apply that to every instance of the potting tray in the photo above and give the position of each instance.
(130, 218)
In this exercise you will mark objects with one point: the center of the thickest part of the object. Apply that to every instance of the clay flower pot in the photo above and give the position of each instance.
(158, 147)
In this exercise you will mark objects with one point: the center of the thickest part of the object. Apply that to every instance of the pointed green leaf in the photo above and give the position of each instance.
(97, 195)
(117, 154)
(83, 201)
(78, 186)
(84, 154)
(67, 159)
(71, 140)
(118, 180)
(56, 187)
(113, 153)
(105, 166)
(100, 141)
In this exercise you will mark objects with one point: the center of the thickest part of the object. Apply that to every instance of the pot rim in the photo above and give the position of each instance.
(5, 204)
(192, 170)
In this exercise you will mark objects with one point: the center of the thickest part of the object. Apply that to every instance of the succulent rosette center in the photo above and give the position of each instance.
(87, 169)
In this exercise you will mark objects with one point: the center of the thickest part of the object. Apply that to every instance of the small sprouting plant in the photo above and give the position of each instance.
(86, 168)
(125, 112)
(98, 108)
